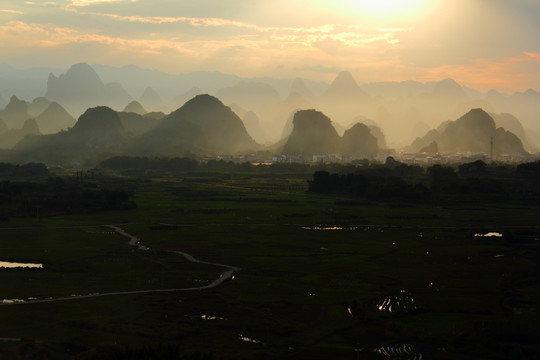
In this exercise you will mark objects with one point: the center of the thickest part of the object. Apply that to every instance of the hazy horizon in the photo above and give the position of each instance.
(377, 41)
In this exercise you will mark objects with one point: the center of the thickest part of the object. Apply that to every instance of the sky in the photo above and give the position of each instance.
(482, 44)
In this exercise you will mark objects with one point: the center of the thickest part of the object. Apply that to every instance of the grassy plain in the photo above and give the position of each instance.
(314, 271)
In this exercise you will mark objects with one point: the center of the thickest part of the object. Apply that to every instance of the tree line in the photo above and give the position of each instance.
(394, 181)
(59, 195)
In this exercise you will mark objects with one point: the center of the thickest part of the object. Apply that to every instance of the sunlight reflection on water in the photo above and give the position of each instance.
(397, 303)
(325, 228)
(403, 351)
(246, 339)
(11, 301)
(489, 234)
(14, 265)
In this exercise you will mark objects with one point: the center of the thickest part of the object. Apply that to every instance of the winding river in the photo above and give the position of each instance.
(134, 241)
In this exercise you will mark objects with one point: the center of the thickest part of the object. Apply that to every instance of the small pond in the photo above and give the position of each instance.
(16, 265)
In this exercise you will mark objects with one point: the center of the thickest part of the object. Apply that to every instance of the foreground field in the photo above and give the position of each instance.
(322, 277)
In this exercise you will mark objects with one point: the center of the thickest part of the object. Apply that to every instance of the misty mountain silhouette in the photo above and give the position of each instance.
(98, 127)
(344, 87)
(450, 90)
(423, 144)
(253, 125)
(249, 95)
(10, 138)
(374, 129)
(180, 100)
(156, 115)
(377, 132)
(54, 119)
(80, 84)
(510, 123)
(116, 95)
(15, 113)
(358, 141)
(3, 126)
(342, 99)
(513, 124)
(98, 130)
(288, 127)
(202, 126)
(435, 101)
(471, 133)
(299, 87)
(150, 99)
(38, 105)
(432, 148)
(135, 107)
(313, 134)
(81, 87)
(286, 109)
(136, 125)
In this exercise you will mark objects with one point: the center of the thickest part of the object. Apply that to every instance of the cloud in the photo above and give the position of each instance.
(328, 38)
(256, 37)
(48, 35)
(506, 73)
(10, 11)
(82, 3)
(395, 29)
(193, 21)
(532, 56)
(47, 4)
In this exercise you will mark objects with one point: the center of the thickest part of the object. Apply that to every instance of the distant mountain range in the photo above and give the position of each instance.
(41, 116)
(402, 111)
(314, 134)
(203, 126)
(474, 132)
(81, 87)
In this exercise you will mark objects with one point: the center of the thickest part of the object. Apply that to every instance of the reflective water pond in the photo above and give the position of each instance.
(16, 265)
(399, 352)
(488, 234)
(11, 301)
(401, 302)
(322, 227)
(250, 340)
(408, 351)
(396, 303)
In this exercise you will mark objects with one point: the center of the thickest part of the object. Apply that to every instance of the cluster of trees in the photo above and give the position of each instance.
(59, 196)
(374, 183)
(395, 181)
(531, 170)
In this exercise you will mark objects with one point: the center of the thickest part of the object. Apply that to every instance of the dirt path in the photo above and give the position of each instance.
(134, 241)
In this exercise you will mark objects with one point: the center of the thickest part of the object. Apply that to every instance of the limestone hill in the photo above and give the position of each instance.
(202, 126)
(471, 133)
(97, 131)
(358, 141)
(312, 134)
(54, 119)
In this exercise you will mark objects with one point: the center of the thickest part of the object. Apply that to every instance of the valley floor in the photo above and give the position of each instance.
(322, 276)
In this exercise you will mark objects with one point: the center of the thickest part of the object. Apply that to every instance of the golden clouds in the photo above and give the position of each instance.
(375, 39)
(82, 3)
(11, 11)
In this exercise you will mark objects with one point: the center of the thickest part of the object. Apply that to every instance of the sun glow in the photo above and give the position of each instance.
(391, 9)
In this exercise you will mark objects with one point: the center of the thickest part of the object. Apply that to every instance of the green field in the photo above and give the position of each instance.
(314, 271)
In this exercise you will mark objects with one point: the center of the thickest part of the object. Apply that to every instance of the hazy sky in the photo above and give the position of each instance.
(480, 43)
